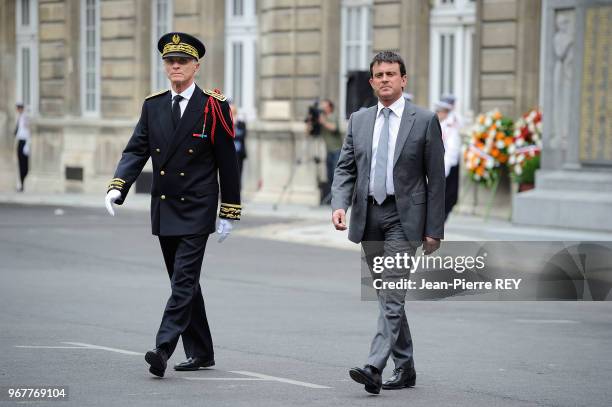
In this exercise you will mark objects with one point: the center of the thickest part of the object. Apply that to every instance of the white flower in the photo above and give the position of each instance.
(531, 128)
(500, 144)
(520, 142)
(511, 148)
(488, 122)
(511, 160)
(489, 164)
(518, 170)
(520, 158)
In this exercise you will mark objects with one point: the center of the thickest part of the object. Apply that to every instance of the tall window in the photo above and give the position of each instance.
(26, 28)
(356, 42)
(240, 55)
(161, 23)
(237, 85)
(90, 57)
(452, 36)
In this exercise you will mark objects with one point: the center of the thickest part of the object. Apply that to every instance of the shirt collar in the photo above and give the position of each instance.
(396, 107)
(186, 94)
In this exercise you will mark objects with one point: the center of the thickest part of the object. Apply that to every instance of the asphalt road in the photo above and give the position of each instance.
(82, 294)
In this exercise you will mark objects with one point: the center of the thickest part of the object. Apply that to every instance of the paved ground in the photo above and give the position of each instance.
(81, 296)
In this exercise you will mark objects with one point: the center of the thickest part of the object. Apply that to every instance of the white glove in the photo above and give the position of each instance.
(26, 148)
(224, 229)
(110, 199)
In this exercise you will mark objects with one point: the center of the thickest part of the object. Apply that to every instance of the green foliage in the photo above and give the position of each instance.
(530, 165)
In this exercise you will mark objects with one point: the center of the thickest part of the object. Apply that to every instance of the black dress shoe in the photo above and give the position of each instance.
(194, 364)
(369, 376)
(158, 359)
(402, 377)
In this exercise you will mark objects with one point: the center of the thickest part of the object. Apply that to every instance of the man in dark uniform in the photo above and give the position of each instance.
(188, 133)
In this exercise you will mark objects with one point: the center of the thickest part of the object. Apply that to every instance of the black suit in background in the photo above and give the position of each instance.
(240, 144)
(191, 163)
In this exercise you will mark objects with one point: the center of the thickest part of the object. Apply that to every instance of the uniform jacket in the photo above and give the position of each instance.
(191, 164)
(418, 173)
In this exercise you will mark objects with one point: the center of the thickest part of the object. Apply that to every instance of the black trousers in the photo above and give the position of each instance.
(451, 195)
(23, 161)
(185, 315)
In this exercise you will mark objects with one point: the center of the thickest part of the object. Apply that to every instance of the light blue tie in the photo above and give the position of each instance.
(382, 153)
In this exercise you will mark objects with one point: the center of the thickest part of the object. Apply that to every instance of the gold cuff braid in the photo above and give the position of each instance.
(230, 211)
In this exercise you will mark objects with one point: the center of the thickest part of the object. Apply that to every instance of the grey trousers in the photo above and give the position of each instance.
(384, 237)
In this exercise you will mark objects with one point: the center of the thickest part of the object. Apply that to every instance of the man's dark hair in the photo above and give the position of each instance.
(390, 57)
(331, 104)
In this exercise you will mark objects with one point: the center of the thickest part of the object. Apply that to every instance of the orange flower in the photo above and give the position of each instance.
(508, 141)
(499, 136)
(495, 152)
(497, 115)
(480, 171)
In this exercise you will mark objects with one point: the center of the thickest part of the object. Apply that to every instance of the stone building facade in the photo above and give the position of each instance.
(96, 61)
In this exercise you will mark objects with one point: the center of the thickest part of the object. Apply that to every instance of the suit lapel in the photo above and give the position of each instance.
(194, 108)
(404, 130)
(370, 121)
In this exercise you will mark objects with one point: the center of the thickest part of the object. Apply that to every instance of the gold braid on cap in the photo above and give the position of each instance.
(180, 47)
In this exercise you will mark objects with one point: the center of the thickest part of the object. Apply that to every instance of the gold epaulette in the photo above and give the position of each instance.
(230, 211)
(116, 183)
(215, 93)
(158, 93)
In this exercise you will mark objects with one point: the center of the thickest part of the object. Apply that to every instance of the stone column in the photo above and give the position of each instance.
(414, 47)
(206, 20)
(293, 66)
(8, 166)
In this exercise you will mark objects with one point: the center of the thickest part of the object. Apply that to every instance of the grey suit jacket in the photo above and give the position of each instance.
(418, 173)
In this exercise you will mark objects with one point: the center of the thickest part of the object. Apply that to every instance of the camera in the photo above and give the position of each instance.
(312, 118)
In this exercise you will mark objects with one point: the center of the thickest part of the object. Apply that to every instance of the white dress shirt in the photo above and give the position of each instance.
(186, 94)
(452, 144)
(23, 127)
(395, 118)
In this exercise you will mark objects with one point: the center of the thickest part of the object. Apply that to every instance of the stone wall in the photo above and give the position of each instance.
(507, 54)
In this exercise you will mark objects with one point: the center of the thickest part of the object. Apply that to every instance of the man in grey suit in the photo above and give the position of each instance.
(391, 171)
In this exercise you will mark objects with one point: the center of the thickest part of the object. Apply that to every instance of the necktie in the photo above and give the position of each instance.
(382, 153)
(176, 110)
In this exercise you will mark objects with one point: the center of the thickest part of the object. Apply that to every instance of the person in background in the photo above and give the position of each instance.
(454, 117)
(330, 131)
(452, 154)
(22, 137)
(240, 132)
